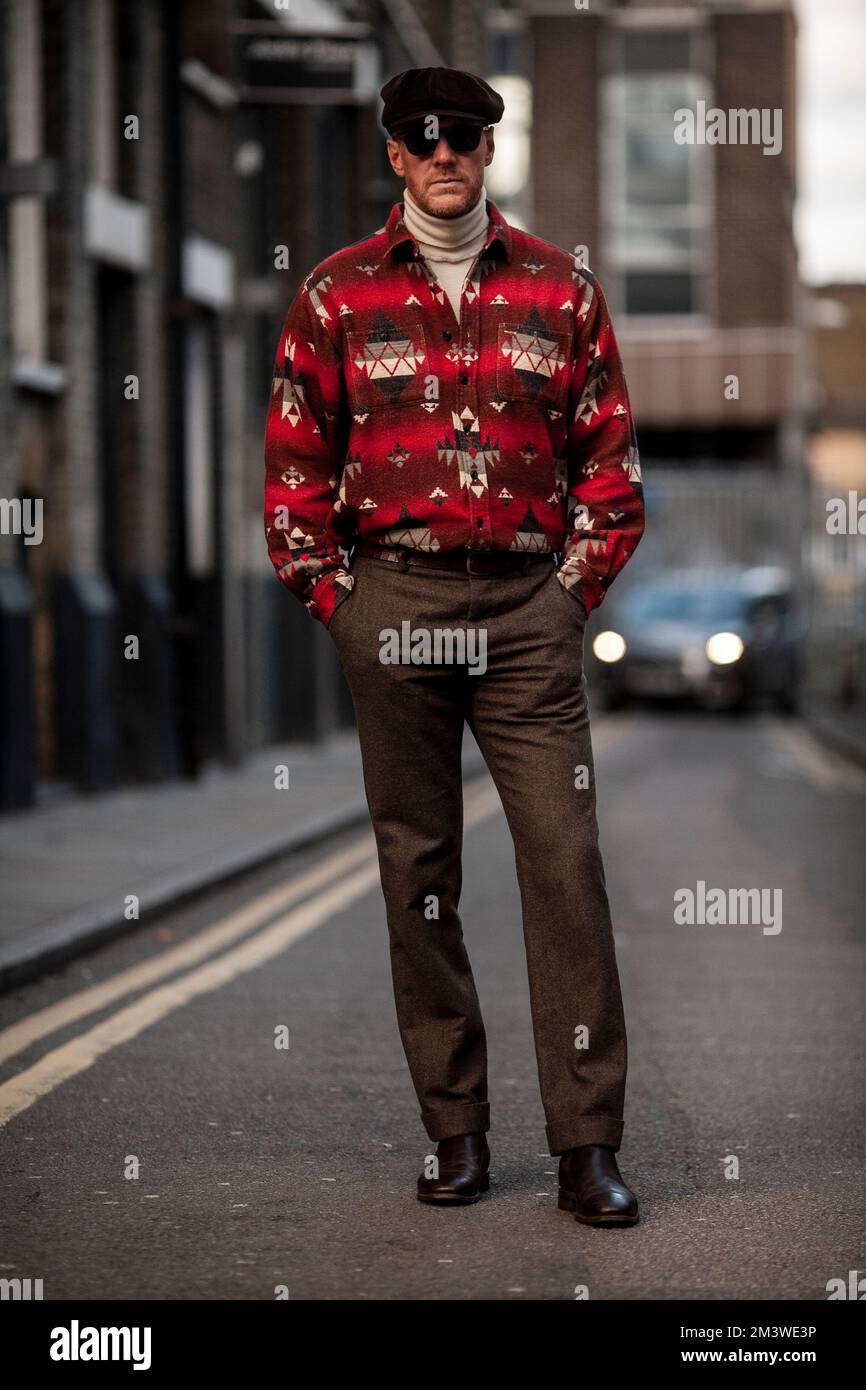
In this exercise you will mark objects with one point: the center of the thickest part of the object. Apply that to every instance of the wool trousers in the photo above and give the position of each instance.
(525, 702)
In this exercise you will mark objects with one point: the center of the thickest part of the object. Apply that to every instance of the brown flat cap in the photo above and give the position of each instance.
(419, 92)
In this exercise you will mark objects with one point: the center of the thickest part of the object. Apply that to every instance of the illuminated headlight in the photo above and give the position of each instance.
(609, 646)
(723, 648)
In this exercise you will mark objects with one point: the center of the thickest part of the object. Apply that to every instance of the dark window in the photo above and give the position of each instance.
(659, 294)
(656, 51)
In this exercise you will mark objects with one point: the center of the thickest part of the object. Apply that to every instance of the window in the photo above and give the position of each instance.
(656, 193)
(28, 282)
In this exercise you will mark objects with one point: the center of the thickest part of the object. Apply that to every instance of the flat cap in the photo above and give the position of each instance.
(421, 92)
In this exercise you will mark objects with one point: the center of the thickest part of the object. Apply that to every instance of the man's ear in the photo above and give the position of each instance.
(395, 155)
(491, 148)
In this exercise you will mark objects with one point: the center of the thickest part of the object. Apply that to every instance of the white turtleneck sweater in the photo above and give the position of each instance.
(449, 245)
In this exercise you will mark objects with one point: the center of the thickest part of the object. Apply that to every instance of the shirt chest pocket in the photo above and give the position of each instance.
(532, 362)
(386, 366)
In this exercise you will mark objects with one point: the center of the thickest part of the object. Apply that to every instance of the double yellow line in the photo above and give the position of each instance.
(329, 888)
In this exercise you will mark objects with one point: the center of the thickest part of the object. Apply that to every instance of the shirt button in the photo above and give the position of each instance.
(463, 378)
(480, 521)
(447, 336)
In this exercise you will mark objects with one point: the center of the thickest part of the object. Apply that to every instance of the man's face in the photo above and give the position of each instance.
(443, 184)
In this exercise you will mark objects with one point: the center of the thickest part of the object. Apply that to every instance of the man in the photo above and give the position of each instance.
(449, 400)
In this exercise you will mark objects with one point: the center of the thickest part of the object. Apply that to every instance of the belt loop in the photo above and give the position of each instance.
(527, 561)
(403, 558)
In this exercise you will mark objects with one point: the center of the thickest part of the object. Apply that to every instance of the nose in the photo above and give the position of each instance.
(443, 151)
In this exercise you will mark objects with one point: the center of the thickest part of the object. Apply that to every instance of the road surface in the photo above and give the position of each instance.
(156, 1143)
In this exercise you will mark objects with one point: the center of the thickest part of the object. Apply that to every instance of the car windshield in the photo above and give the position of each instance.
(698, 605)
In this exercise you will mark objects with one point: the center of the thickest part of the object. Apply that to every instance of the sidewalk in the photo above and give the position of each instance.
(67, 867)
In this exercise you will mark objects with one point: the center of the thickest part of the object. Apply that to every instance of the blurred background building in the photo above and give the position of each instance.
(835, 559)
(170, 170)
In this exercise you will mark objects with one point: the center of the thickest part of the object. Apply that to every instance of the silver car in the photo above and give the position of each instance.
(726, 639)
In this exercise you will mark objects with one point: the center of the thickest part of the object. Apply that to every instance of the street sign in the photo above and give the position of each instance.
(277, 64)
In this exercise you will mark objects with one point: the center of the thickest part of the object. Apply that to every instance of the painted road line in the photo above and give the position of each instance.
(825, 769)
(75, 1056)
(223, 933)
(94, 998)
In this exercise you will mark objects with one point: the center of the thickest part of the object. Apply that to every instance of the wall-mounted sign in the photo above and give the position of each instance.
(277, 64)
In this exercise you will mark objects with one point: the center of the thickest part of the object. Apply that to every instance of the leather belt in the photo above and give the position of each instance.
(463, 559)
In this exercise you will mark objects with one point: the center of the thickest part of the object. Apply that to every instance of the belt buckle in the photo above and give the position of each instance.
(470, 557)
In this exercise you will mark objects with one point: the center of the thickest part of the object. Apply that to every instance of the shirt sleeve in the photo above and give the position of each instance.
(305, 447)
(604, 493)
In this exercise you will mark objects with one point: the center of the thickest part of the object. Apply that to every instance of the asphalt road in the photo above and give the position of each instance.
(262, 1166)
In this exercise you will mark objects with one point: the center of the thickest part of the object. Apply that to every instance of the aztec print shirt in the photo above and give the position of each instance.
(391, 421)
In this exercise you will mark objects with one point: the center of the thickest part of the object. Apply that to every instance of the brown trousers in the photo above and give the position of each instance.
(528, 713)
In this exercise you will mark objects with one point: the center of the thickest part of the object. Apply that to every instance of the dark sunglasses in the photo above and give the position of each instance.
(462, 137)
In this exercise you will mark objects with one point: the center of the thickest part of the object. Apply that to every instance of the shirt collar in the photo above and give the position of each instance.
(397, 233)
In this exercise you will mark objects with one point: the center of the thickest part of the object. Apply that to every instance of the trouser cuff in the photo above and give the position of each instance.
(583, 1129)
(446, 1121)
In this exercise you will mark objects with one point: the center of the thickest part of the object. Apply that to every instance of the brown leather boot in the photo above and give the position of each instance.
(591, 1185)
(463, 1176)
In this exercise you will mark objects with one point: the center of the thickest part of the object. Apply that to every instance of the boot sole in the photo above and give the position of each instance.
(455, 1199)
(568, 1202)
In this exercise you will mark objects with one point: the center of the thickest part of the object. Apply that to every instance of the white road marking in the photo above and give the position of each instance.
(75, 1056)
(81, 1052)
(824, 767)
(222, 933)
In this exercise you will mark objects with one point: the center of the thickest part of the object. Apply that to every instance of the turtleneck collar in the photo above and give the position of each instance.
(447, 238)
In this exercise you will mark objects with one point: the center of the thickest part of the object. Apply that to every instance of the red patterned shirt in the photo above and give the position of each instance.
(392, 422)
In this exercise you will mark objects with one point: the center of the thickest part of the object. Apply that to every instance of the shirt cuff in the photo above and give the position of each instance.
(583, 590)
(330, 590)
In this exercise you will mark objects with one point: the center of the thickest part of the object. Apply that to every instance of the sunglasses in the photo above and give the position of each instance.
(462, 137)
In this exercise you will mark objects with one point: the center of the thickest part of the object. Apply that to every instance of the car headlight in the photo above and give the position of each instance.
(609, 646)
(723, 648)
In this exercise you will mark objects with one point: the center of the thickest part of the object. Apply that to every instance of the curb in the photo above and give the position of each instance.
(60, 941)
